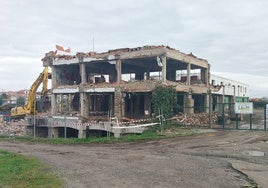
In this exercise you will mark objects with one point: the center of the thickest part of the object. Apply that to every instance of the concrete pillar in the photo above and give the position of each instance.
(54, 77)
(205, 76)
(117, 133)
(208, 75)
(83, 73)
(188, 74)
(164, 68)
(188, 104)
(70, 103)
(118, 67)
(81, 133)
(84, 105)
(53, 132)
(207, 103)
(119, 103)
(222, 99)
(61, 103)
(53, 104)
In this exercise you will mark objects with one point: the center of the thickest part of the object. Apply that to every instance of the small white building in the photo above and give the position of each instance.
(227, 87)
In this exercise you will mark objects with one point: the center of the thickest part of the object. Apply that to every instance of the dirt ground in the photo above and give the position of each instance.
(214, 159)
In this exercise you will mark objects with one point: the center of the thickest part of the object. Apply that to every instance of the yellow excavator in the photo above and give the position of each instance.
(30, 107)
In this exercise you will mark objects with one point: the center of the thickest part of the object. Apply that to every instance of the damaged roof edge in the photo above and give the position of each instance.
(52, 58)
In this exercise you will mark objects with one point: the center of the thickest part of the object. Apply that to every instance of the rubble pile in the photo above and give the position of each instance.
(13, 128)
(198, 119)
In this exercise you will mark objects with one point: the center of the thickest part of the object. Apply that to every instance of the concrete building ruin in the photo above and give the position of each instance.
(88, 86)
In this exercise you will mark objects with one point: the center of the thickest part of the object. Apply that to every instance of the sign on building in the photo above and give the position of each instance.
(244, 108)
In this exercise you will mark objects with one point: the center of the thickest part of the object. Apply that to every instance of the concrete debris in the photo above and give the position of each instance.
(198, 119)
(111, 52)
(13, 128)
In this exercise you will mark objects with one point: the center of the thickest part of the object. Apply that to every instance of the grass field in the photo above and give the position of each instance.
(17, 171)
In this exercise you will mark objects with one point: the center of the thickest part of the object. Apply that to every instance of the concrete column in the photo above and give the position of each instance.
(223, 95)
(53, 132)
(188, 104)
(81, 133)
(208, 75)
(207, 103)
(188, 74)
(117, 133)
(84, 105)
(117, 98)
(164, 68)
(83, 73)
(54, 77)
(205, 76)
(70, 103)
(53, 104)
(118, 67)
(119, 103)
(61, 103)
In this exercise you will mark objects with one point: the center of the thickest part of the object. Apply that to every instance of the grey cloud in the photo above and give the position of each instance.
(231, 35)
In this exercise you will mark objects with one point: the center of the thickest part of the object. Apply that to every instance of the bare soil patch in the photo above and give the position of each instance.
(213, 159)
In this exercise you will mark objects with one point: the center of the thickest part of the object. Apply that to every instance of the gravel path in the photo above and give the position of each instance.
(215, 159)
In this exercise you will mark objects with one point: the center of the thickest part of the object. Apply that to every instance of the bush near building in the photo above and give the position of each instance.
(164, 98)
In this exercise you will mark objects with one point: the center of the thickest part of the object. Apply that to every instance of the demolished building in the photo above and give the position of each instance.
(88, 86)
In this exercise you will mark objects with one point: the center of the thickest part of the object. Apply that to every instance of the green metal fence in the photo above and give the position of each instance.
(228, 119)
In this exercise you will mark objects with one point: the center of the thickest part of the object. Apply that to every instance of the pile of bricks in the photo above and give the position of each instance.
(198, 119)
(13, 128)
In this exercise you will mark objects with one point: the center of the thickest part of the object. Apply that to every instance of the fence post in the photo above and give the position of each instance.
(210, 108)
(236, 121)
(65, 127)
(223, 116)
(265, 115)
(250, 121)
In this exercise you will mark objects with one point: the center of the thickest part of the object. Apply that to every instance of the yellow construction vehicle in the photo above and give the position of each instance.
(30, 107)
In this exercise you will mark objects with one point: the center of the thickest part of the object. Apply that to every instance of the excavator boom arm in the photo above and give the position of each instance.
(29, 108)
(31, 96)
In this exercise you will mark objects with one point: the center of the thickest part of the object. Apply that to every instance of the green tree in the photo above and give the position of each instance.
(3, 96)
(1, 101)
(164, 98)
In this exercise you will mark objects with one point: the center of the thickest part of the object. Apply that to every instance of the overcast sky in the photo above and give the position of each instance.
(231, 35)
